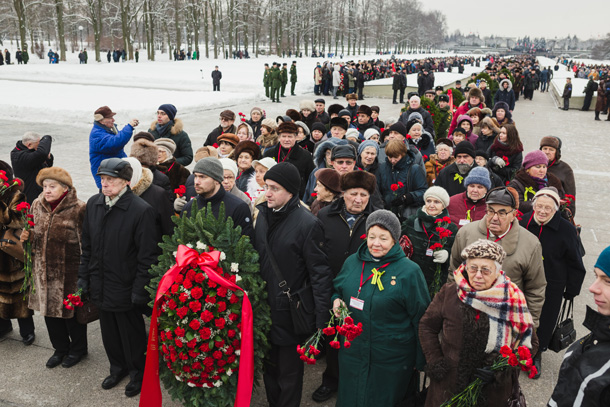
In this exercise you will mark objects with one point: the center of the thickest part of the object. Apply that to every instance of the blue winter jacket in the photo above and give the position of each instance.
(104, 144)
(409, 173)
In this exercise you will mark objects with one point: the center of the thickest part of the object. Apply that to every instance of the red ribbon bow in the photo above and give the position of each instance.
(208, 263)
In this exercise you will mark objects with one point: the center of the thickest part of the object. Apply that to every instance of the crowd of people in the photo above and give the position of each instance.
(419, 234)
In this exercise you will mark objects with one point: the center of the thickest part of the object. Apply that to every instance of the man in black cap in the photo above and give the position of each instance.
(458, 86)
(119, 245)
(288, 151)
(320, 113)
(293, 77)
(452, 177)
(291, 245)
(167, 126)
(364, 120)
(523, 263)
(208, 177)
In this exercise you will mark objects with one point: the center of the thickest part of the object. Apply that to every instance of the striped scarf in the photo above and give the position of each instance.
(510, 322)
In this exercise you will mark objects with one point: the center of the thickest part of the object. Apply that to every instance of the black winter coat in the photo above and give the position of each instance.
(256, 127)
(453, 182)
(175, 131)
(428, 123)
(341, 241)
(216, 77)
(296, 238)
(235, 208)
(297, 156)
(162, 180)
(244, 177)
(27, 163)
(119, 245)
(563, 268)
(214, 134)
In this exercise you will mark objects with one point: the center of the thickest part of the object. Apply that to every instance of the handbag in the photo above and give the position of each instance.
(517, 399)
(299, 301)
(10, 243)
(88, 312)
(564, 333)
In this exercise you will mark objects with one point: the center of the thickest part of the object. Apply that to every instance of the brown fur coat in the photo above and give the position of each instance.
(56, 249)
(176, 173)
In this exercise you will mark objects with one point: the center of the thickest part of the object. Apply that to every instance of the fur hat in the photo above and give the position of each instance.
(145, 151)
(166, 143)
(443, 98)
(303, 126)
(103, 112)
(375, 109)
(351, 96)
(533, 158)
(247, 146)
(287, 127)
(54, 173)
(307, 105)
(334, 109)
(144, 135)
(439, 193)
(491, 123)
(330, 179)
(272, 124)
(503, 196)
(359, 179)
(550, 192)
(340, 122)
(228, 164)
(206, 151)
(476, 93)
(294, 115)
(285, 174)
(211, 167)
(364, 109)
(170, 110)
(445, 141)
(387, 220)
(478, 175)
(484, 249)
(552, 141)
(229, 138)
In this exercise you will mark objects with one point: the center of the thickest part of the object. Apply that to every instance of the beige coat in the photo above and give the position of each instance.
(523, 263)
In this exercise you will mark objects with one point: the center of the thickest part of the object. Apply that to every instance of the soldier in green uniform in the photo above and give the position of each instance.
(284, 78)
(276, 83)
(443, 118)
(293, 77)
(25, 56)
(267, 79)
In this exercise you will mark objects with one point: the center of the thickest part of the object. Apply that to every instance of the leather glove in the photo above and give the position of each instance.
(179, 204)
(499, 162)
(84, 284)
(485, 374)
(440, 256)
(568, 296)
(143, 309)
(406, 199)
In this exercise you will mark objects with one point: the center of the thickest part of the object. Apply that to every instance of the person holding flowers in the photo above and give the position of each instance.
(464, 331)
(387, 294)
(56, 245)
(432, 233)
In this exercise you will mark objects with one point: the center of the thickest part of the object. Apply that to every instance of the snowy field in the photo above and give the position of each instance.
(69, 92)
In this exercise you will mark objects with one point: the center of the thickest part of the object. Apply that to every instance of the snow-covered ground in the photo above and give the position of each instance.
(559, 78)
(69, 92)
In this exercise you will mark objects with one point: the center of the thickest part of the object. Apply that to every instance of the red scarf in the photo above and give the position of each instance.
(55, 203)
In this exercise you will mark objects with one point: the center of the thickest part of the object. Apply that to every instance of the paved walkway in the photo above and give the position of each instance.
(25, 382)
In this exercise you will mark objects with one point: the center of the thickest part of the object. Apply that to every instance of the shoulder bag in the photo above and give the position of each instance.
(10, 243)
(564, 333)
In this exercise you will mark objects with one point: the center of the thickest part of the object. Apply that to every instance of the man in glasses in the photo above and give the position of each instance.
(523, 264)
(227, 118)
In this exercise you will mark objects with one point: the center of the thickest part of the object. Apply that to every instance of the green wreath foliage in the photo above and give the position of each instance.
(203, 227)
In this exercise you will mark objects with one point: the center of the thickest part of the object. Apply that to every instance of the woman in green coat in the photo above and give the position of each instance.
(387, 293)
(420, 228)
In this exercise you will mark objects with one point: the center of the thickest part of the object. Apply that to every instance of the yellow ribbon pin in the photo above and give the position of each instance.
(468, 215)
(377, 278)
(530, 190)
(458, 177)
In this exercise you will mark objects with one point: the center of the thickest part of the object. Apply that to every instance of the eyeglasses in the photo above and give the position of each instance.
(472, 269)
(272, 189)
(344, 162)
(502, 214)
(224, 119)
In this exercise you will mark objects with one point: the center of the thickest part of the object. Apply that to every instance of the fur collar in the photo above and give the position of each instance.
(176, 128)
(144, 183)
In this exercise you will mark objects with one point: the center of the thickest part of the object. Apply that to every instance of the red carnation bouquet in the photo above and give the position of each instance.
(28, 223)
(5, 184)
(74, 300)
(443, 234)
(337, 325)
(508, 358)
(180, 191)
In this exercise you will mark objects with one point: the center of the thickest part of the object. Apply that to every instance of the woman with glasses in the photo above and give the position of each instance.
(464, 328)
(563, 264)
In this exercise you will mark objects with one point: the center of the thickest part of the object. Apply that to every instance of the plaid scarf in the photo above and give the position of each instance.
(510, 322)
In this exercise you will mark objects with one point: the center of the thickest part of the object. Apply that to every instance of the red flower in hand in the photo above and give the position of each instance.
(506, 351)
(533, 372)
(394, 187)
(363, 236)
(512, 360)
(400, 184)
(180, 191)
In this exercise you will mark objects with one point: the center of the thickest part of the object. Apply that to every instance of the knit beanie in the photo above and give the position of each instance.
(400, 128)
(167, 144)
(170, 110)
(287, 175)
(330, 179)
(466, 147)
(484, 249)
(386, 220)
(478, 175)
(368, 143)
(603, 261)
(211, 167)
(319, 126)
(228, 164)
(439, 193)
(550, 192)
(533, 158)
(370, 133)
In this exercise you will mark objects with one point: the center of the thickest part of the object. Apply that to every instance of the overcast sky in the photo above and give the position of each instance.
(517, 18)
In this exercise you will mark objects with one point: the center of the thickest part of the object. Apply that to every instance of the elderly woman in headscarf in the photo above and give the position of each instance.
(385, 292)
(245, 153)
(368, 153)
(244, 132)
(467, 324)
(563, 266)
(327, 189)
(420, 228)
(168, 165)
(56, 247)
(442, 158)
(268, 138)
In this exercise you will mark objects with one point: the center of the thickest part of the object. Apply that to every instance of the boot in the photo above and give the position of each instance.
(538, 364)
(597, 116)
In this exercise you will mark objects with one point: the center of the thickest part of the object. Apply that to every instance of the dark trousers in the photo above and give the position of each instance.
(124, 338)
(566, 103)
(360, 89)
(586, 104)
(283, 377)
(283, 89)
(26, 325)
(402, 95)
(216, 87)
(292, 85)
(267, 90)
(330, 377)
(67, 336)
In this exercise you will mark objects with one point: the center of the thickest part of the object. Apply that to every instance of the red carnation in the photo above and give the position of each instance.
(205, 347)
(229, 350)
(199, 277)
(219, 344)
(193, 353)
(236, 344)
(222, 292)
(208, 361)
(172, 304)
(197, 293)
(179, 278)
(329, 331)
(182, 311)
(347, 344)
(191, 274)
(512, 360)
(205, 333)
(233, 317)
(220, 323)
(506, 351)
(231, 359)
(188, 284)
(212, 284)
(349, 321)
(394, 187)
(533, 372)
(524, 353)
(363, 236)
(169, 336)
(183, 297)
(231, 333)
(314, 194)
(217, 355)
(221, 363)
(400, 184)
(195, 324)
(174, 289)
(234, 299)
(178, 342)
(222, 306)
(210, 300)
(207, 316)
(195, 306)
(179, 332)
(191, 344)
